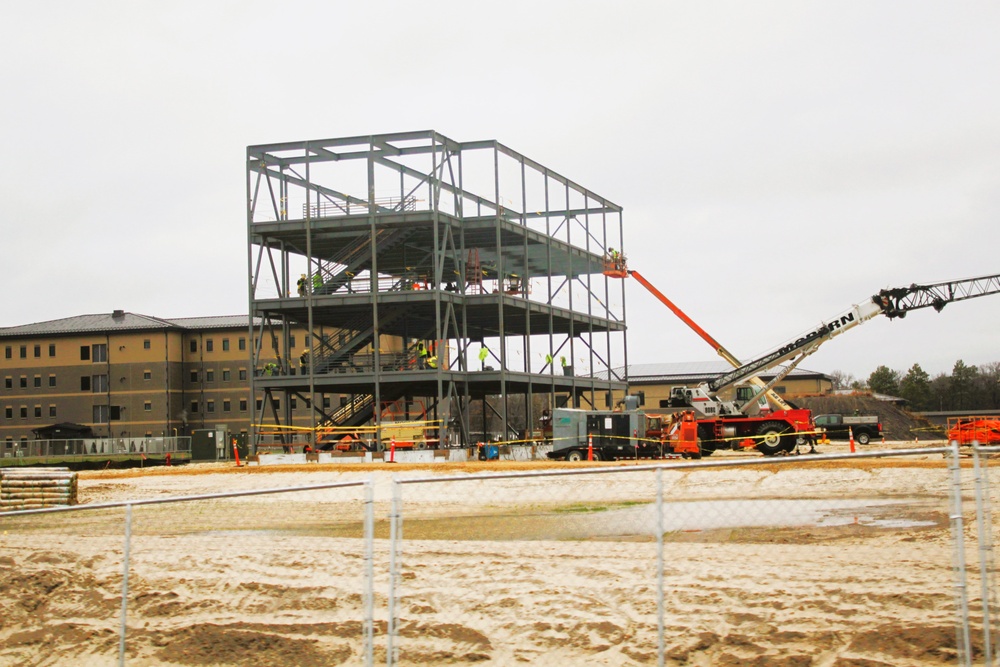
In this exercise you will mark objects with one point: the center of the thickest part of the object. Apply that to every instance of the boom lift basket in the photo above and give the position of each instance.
(615, 266)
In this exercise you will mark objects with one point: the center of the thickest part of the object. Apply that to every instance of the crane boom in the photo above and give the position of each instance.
(901, 300)
(894, 302)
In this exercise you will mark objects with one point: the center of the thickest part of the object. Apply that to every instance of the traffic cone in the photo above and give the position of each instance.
(850, 433)
(883, 438)
(590, 448)
(392, 450)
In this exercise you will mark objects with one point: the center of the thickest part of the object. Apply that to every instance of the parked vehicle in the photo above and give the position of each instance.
(865, 428)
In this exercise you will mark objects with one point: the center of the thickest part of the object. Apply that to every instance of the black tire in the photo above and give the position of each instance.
(574, 456)
(864, 438)
(771, 440)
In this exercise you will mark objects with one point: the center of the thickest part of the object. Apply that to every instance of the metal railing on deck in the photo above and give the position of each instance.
(329, 209)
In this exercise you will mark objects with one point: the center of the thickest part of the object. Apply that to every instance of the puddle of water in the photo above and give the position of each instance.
(726, 514)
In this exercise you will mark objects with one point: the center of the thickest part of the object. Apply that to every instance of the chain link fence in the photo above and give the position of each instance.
(267, 577)
(792, 562)
(795, 561)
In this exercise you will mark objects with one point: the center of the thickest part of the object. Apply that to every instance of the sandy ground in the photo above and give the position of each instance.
(789, 563)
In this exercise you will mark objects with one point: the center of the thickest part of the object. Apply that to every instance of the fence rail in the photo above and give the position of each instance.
(85, 447)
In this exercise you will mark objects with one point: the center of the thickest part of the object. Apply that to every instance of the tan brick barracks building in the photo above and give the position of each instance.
(127, 375)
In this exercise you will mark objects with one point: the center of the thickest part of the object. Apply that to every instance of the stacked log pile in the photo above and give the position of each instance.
(36, 488)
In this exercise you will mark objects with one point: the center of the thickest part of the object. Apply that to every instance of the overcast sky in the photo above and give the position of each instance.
(777, 161)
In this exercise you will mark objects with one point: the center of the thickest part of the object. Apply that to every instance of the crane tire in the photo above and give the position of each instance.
(772, 441)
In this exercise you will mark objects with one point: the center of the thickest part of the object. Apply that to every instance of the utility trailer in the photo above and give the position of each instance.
(615, 435)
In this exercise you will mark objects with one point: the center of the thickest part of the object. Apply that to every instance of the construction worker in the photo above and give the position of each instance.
(301, 284)
(304, 361)
(616, 258)
(270, 368)
(317, 282)
(422, 355)
(483, 353)
(432, 361)
(548, 359)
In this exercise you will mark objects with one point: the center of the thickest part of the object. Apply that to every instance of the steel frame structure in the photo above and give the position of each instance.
(411, 239)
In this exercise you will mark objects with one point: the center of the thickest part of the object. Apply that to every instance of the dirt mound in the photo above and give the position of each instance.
(897, 423)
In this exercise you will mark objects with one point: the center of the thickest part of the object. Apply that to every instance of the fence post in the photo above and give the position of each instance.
(369, 594)
(984, 522)
(958, 537)
(125, 569)
(395, 536)
(661, 649)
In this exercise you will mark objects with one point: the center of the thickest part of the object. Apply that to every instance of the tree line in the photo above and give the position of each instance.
(966, 388)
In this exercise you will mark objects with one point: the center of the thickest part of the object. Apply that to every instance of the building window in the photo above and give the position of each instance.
(307, 340)
(326, 402)
(243, 405)
(147, 375)
(343, 401)
(85, 383)
(52, 349)
(38, 351)
(194, 406)
(194, 376)
(8, 352)
(146, 344)
(209, 406)
(84, 353)
(148, 406)
(293, 402)
(194, 346)
(209, 345)
(38, 411)
(99, 384)
(259, 404)
(225, 345)
(8, 383)
(780, 389)
(24, 412)
(226, 405)
(24, 351)
(226, 375)
(24, 382)
(52, 411)
(291, 342)
(100, 353)
(209, 375)
(38, 381)
(8, 412)
(243, 374)
(114, 413)
(52, 380)
(243, 343)
(101, 414)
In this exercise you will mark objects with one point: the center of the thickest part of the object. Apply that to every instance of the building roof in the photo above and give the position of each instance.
(215, 322)
(121, 321)
(690, 371)
(885, 398)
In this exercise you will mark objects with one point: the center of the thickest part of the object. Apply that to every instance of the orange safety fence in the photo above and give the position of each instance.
(984, 430)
